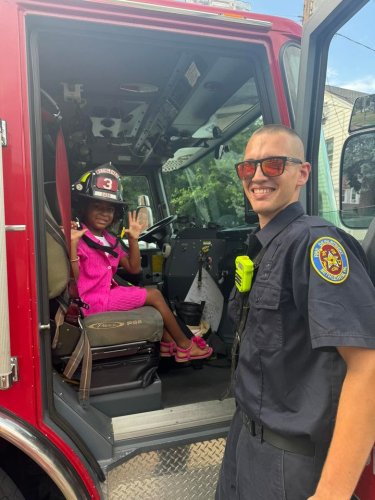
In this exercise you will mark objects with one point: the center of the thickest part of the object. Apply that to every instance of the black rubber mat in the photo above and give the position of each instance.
(194, 382)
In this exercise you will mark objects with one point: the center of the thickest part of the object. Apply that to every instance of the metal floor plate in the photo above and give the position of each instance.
(181, 473)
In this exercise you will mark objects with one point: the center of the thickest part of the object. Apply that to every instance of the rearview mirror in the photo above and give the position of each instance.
(220, 150)
(144, 212)
(363, 114)
(358, 180)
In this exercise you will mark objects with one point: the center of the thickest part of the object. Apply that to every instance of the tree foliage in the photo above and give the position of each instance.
(210, 189)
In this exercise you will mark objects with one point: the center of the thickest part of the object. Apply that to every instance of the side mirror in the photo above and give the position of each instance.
(357, 175)
(363, 114)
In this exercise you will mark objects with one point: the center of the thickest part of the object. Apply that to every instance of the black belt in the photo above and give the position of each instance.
(301, 445)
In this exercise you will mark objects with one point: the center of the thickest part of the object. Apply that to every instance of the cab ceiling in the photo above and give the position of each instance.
(134, 100)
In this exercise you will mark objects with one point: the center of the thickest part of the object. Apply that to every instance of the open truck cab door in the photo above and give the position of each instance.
(312, 123)
(318, 32)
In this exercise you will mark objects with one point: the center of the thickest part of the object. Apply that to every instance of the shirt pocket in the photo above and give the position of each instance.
(266, 314)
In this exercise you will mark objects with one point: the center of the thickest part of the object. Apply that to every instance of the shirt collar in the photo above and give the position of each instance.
(279, 223)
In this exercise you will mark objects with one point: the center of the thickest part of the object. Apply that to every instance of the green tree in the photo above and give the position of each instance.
(210, 189)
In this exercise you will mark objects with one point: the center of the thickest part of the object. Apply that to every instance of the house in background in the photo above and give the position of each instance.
(337, 110)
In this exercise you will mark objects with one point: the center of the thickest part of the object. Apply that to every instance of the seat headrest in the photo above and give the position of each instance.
(57, 257)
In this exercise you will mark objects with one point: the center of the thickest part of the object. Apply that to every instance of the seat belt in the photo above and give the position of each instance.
(63, 185)
(73, 313)
(102, 248)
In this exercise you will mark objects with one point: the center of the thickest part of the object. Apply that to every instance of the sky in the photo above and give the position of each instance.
(292, 9)
(351, 62)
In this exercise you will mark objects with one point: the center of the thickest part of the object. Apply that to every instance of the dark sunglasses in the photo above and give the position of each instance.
(271, 167)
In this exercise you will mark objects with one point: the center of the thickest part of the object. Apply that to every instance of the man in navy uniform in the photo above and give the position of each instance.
(305, 379)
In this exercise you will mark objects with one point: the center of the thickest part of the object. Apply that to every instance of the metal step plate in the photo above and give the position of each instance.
(185, 472)
(172, 419)
(181, 473)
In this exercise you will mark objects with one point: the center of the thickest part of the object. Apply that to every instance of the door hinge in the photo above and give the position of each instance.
(3, 133)
(6, 381)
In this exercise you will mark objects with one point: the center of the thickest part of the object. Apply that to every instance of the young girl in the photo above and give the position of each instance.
(96, 255)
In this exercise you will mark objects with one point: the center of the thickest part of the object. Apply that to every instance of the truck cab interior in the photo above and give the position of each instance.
(172, 113)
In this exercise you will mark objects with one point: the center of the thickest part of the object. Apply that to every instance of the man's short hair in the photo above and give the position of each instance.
(278, 128)
(274, 128)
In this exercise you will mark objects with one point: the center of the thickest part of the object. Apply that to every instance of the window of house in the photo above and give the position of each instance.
(329, 144)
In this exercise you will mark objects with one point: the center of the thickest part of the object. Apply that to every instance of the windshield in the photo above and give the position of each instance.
(208, 192)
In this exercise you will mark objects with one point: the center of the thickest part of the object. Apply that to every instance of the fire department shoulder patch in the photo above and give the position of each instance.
(329, 260)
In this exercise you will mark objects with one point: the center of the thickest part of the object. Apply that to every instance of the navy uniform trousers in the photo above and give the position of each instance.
(255, 470)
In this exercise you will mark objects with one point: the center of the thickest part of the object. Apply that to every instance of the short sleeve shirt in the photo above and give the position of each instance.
(289, 374)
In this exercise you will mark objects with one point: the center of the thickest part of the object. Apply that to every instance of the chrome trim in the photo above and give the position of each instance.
(21, 437)
(14, 365)
(6, 381)
(45, 327)
(5, 355)
(15, 227)
(237, 16)
(173, 419)
(3, 133)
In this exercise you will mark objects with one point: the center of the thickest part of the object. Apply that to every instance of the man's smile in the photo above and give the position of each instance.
(262, 190)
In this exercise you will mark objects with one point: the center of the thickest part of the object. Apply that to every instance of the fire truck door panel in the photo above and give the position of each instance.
(323, 30)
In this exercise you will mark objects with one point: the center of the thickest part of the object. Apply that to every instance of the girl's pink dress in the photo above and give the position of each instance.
(96, 286)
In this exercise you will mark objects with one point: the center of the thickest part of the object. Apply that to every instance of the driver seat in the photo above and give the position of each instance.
(123, 345)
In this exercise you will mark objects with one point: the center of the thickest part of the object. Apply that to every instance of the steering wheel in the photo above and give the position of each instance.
(152, 230)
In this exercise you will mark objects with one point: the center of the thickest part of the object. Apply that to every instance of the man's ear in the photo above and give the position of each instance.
(304, 173)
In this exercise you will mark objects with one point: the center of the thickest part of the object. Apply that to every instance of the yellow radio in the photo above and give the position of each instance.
(244, 273)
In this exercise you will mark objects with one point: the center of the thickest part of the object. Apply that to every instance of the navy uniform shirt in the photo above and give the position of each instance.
(289, 373)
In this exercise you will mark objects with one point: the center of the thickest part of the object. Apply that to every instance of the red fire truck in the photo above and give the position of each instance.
(168, 93)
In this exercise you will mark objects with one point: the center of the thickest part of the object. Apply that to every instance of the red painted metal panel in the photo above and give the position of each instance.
(21, 398)
(366, 486)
